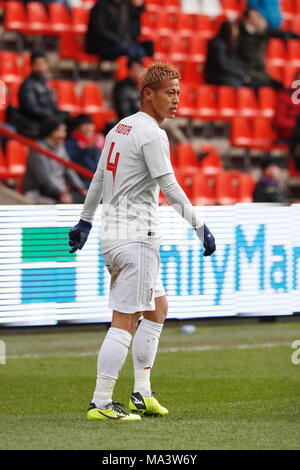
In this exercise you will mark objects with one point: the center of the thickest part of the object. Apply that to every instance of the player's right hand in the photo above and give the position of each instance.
(78, 235)
(208, 240)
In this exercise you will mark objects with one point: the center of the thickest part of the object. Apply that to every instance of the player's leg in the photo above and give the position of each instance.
(121, 264)
(111, 358)
(144, 349)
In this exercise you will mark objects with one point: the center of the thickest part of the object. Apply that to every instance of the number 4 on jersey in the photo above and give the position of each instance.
(112, 165)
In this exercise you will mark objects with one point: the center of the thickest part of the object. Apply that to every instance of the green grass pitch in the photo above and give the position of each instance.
(226, 387)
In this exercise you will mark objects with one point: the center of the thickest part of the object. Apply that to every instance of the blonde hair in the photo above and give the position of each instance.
(156, 73)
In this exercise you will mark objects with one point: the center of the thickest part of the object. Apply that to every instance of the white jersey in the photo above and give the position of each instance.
(136, 152)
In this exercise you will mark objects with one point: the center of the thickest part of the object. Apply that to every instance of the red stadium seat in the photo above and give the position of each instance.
(204, 26)
(10, 70)
(231, 8)
(67, 98)
(290, 73)
(3, 167)
(293, 48)
(71, 46)
(191, 73)
(245, 188)
(187, 102)
(276, 52)
(149, 24)
(264, 135)
(225, 191)
(59, 18)
(16, 157)
(15, 18)
(37, 19)
(211, 164)
(178, 48)
(198, 49)
(13, 94)
(187, 158)
(185, 24)
(172, 5)
(206, 103)
(153, 5)
(92, 100)
(241, 132)
(276, 71)
(166, 23)
(185, 181)
(122, 68)
(296, 7)
(287, 7)
(295, 24)
(203, 188)
(227, 102)
(79, 20)
(267, 98)
(247, 102)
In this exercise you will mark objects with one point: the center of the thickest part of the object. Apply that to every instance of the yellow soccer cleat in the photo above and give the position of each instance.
(114, 412)
(146, 406)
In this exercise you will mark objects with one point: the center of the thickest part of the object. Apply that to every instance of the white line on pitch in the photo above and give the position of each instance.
(161, 350)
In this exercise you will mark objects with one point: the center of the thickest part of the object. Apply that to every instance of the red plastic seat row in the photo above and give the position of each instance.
(35, 19)
(165, 22)
(223, 188)
(257, 133)
(223, 103)
(90, 101)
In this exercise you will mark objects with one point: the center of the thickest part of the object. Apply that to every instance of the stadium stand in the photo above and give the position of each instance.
(246, 114)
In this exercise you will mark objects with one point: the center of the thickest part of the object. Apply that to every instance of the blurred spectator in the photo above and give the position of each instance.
(270, 10)
(109, 31)
(223, 65)
(211, 8)
(269, 188)
(47, 181)
(254, 37)
(126, 93)
(36, 100)
(84, 145)
(136, 8)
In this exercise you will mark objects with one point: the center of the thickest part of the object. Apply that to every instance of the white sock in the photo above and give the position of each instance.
(111, 358)
(144, 349)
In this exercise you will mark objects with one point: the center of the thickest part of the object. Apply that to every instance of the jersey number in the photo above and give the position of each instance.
(112, 165)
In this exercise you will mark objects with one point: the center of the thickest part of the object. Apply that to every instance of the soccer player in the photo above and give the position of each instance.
(134, 165)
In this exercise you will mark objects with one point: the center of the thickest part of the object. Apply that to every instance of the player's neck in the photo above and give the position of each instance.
(152, 113)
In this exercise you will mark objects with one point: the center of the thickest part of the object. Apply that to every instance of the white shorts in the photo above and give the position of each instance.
(135, 282)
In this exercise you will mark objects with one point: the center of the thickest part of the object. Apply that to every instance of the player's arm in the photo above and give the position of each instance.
(157, 159)
(177, 198)
(78, 235)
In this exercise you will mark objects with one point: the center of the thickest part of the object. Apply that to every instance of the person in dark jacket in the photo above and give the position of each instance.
(126, 94)
(223, 65)
(37, 103)
(84, 145)
(269, 188)
(48, 181)
(253, 41)
(109, 31)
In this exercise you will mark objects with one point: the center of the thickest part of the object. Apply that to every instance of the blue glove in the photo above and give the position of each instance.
(78, 235)
(208, 240)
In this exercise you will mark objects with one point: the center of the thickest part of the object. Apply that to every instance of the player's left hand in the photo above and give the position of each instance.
(78, 235)
(208, 239)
